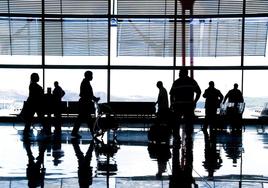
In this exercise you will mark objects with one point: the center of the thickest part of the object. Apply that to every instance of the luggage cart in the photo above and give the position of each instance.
(105, 120)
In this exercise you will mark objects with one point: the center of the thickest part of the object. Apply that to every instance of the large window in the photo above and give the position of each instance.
(130, 45)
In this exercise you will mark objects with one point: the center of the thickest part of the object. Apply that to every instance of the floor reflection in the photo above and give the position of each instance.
(192, 158)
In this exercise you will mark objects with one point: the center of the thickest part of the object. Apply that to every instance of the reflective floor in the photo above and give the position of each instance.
(218, 158)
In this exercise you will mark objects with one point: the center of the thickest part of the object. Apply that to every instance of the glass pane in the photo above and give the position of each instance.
(138, 85)
(145, 7)
(256, 41)
(143, 42)
(256, 94)
(15, 89)
(77, 41)
(256, 6)
(216, 7)
(211, 42)
(20, 41)
(25, 6)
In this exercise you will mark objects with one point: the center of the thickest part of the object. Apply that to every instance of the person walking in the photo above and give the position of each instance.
(86, 104)
(213, 98)
(162, 101)
(184, 94)
(33, 104)
(57, 93)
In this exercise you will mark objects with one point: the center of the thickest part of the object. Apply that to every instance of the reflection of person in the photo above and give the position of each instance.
(184, 94)
(34, 104)
(213, 98)
(158, 146)
(84, 168)
(162, 100)
(86, 104)
(35, 171)
(234, 95)
(58, 93)
(182, 164)
(234, 146)
(57, 152)
(213, 159)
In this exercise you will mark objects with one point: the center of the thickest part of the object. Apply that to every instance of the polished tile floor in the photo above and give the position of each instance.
(222, 158)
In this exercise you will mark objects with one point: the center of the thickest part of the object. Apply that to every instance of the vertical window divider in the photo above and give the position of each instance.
(43, 42)
(109, 52)
(243, 44)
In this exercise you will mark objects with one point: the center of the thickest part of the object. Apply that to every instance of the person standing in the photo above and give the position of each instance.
(162, 101)
(57, 93)
(184, 94)
(234, 109)
(86, 104)
(34, 104)
(234, 96)
(213, 98)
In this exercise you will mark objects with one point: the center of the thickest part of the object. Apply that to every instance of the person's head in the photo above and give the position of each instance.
(211, 84)
(34, 77)
(183, 72)
(56, 83)
(235, 86)
(88, 75)
(159, 84)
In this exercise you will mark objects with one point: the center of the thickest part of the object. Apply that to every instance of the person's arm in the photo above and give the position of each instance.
(198, 93)
(205, 94)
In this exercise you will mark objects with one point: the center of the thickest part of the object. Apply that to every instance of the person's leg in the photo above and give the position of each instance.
(28, 122)
(57, 124)
(76, 127)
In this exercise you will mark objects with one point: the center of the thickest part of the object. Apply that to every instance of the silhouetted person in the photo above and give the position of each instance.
(58, 93)
(84, 164)
(213, 159)
(86, 104)
(162, 100)
(234, 95)
(35, 171)
(34, 104)
(213, 98)
(184, 95)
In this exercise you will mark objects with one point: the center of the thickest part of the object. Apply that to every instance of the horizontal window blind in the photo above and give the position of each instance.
(131, 7)
(25, 6)
(26, 37)
(20, 36)
(256, 37)
(77, 37)
(4, 37)
(145, 37)
(223, 38)
(145, 7)
(53, 37)
(256, 6)
(76, 7)
(215, 7)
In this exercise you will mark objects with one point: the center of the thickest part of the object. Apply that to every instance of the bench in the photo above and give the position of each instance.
(132, 109)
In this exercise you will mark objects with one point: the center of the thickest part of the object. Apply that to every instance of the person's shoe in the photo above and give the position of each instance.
(76, 135)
